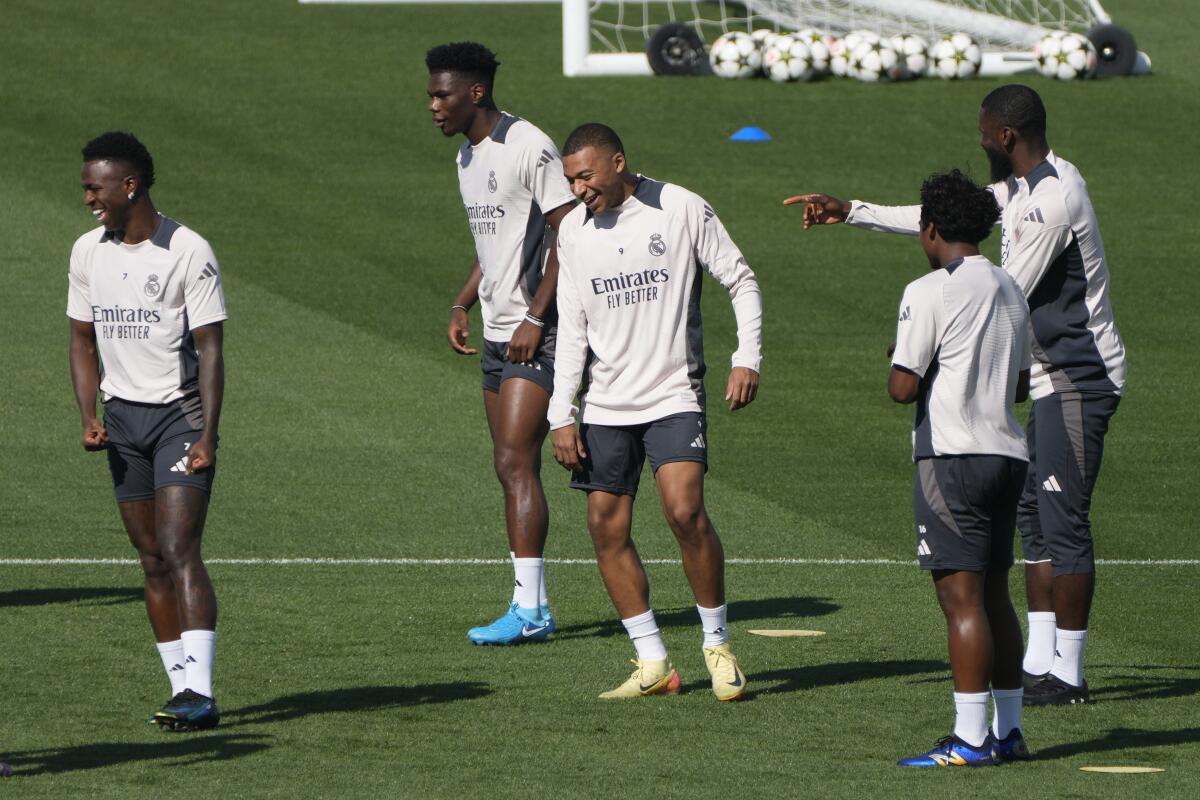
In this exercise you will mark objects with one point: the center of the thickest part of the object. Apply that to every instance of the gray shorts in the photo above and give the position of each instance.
(616, 453)
(1065, 434)
(966, 511)
(497, 369)
(148, 446)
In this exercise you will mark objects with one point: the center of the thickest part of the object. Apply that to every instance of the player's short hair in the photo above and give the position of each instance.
(467, 58)
(1017, 106)
(592, 134)
(121, 146)
(962, 210)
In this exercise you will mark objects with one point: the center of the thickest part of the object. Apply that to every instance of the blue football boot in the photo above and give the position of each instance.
(188, 711)
(1013, 747)
(513, 628)
(952, 751)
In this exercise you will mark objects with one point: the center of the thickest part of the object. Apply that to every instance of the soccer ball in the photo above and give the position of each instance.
(764, 38)
(839, 58)
(872, 62)
(956, 56)
(788, 59)
(735, 55)
(1066, 56)
(914, 55)
(819, 44)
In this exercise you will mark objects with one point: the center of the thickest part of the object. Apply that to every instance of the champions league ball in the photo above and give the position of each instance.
(955, 57)
(913, 52)
(735, 55)
(819, 44)
(764, 38)
(1066, 56)
(839, 59)
(788, 59)
(873, 62)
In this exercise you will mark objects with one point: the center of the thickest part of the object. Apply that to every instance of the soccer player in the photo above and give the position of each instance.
(145, 296)
(963, 354)
(1051, 245)
(512, 185)
(631, 258)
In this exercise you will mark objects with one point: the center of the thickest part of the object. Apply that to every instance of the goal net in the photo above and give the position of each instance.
(609, 36)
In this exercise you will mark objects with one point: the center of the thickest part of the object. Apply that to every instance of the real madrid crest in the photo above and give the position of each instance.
(152, 288)
(657, 245)
(492, 185)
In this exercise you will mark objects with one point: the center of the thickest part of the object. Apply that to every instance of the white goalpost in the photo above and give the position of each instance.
(611, 37)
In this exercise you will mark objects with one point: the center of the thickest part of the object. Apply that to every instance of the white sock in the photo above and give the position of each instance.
(1039, 651)
(712, 622)
(971, 717)
(172, 657)
(1008, 711)
(528, 572)
(200, 648)
(1068, 656)
(513, 558)
(647, 639)
(543, 600)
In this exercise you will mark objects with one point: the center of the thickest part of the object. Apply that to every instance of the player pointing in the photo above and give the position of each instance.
(631, 258)
(1051, 246)
(512, 186)
(145, 295)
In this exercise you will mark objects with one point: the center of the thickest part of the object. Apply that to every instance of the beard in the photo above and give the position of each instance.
(1000, 163)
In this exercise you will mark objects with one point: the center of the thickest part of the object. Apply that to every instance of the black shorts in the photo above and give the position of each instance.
(616, 453)
(148, 446)
(966, 511)
(1065, 434)
(497, 369)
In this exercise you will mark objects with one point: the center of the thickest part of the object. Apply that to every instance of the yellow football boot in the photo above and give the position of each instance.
(650, 677)
(728, 680)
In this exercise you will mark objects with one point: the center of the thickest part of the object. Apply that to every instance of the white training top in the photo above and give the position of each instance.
(144, 300)
(1051, 245)
(508, 182)
(629, 306)
(964, 329)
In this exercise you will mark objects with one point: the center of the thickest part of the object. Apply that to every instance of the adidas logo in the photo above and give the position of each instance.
(905, 315)
(209, 271)
(1034, 216)
(698, 441)
(923, 548)
(545, 159)
(190, 660)
(180, 465)
(1051, 484)
(708, 212)
(176, 668)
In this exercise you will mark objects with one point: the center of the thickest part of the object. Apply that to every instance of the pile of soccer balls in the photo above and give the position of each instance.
(866, 56)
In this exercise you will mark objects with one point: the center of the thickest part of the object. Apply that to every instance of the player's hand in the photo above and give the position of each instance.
(524, 343)
(201, 455)
(742, 387)
(568, 447)
(95, 436)
(820, 209)
(459, 330)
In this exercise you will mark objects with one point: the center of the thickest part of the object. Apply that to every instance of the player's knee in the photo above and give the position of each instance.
(513, 465)
(154, 568)
(687, 520)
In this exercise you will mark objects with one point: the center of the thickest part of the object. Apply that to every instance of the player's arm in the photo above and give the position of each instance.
(1034, 247)
(528, 335)
(903, 384)
(822, 209)
(211, 378)
(716, 251)
(460, 322)
(918, 332)
(569, 354)
(85, 376)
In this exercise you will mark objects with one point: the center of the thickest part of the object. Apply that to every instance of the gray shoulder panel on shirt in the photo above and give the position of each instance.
(164, 233)
(500, 132)
(1038, 173)
(649, 192)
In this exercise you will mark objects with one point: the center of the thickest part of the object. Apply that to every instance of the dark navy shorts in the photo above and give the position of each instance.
(966, 511)
(497, 369)
(148, 446)
(616, 453)
(1065, 434)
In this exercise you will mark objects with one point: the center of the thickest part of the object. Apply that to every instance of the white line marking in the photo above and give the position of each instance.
(470, 562)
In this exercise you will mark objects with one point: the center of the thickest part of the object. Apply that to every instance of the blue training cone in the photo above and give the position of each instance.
(750, 134)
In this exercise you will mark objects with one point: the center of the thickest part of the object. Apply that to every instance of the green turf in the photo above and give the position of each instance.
(295, 139)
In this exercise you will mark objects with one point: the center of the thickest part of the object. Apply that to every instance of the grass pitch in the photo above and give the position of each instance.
(295, 139)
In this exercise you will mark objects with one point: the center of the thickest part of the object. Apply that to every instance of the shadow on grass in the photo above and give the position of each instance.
(814, 676)
(740, 611)
(359, 698)
(103, 595)
(1120, 739)
(1121, 683)
(171, 751)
